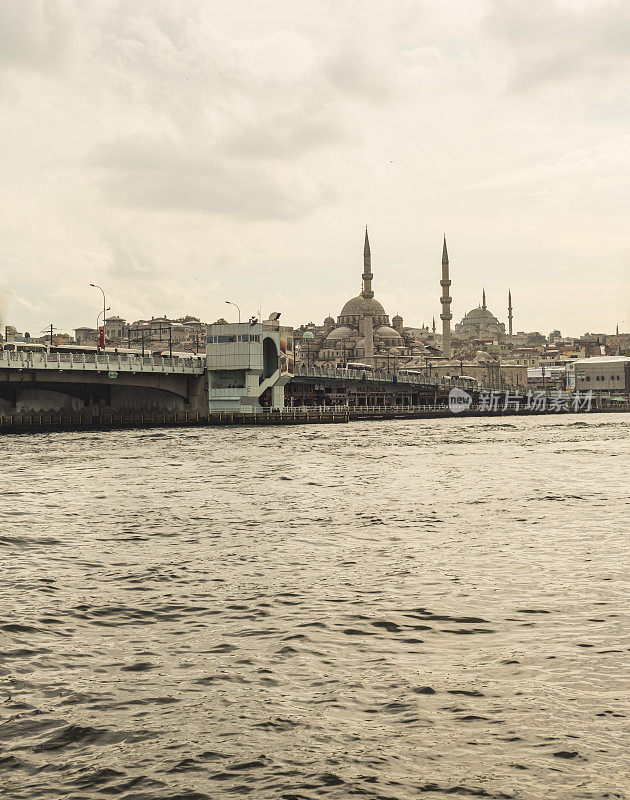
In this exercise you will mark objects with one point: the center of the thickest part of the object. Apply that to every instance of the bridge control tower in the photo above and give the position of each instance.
(248, 365)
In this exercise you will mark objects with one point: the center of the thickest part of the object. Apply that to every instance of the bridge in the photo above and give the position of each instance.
(43, 380)
(101, 382)
(366, 387)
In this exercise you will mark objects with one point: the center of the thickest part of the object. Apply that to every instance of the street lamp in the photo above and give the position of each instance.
(96, 286)
(230, 303)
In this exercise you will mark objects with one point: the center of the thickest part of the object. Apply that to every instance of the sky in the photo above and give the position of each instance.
(181, 153)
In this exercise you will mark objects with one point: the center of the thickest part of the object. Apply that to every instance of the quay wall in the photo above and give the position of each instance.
(95, 419)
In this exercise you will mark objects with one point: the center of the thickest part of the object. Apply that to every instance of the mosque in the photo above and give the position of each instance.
(363, 333)
(480, 323)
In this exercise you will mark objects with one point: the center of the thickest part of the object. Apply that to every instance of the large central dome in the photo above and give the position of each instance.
(481, 314)
(360, 305)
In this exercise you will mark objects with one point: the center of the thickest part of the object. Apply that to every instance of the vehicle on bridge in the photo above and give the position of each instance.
(24, 347)
(359, 366)
(176, 354)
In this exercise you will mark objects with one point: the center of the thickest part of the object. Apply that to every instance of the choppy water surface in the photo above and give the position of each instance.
(381, 610)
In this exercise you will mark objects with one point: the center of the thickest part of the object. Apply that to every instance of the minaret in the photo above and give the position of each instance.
(483, 301)
(509, 313)
(446, 315)
(368, 294)
(367, 269)
(434, 325)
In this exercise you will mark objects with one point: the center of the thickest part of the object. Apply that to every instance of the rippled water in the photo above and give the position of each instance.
(381, 610)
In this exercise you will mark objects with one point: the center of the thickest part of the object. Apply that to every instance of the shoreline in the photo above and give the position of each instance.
(60, 422)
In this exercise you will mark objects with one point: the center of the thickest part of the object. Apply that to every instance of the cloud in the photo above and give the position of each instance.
(161, 175)
(36, 34)
(552, 41)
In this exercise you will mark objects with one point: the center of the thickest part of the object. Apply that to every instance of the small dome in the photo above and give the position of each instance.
(329, 321)
(340, 333)
(394, 351)
(385, 332)
(397, 318)
(308, 335)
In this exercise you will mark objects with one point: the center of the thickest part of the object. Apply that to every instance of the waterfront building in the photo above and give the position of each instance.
(605, 374)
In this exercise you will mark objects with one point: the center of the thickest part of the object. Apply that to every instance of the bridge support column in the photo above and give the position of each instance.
(277, 396)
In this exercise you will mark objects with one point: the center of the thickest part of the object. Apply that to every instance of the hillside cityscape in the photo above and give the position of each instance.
(480, 345)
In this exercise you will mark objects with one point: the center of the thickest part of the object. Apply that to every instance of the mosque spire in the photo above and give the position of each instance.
(446, 315)
(483, 301)
(433, 324)
(367, 269)
(509, 312)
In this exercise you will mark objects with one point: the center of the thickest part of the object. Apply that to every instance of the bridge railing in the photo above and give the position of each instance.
(402, 377)
(106, 362)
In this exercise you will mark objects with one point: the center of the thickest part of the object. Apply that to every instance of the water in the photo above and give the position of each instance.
(381, 610)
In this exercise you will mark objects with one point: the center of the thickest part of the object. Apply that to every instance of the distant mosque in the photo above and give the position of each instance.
(480, 323)
(363, 331)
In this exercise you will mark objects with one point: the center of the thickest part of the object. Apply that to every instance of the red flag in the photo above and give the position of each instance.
(101, 333)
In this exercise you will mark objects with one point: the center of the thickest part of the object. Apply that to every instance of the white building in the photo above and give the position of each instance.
(249, 364)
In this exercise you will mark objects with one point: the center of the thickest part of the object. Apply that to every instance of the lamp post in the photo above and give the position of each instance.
(230, 303)
(96, 286)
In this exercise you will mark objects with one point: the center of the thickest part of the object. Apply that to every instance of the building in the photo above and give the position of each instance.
(163, 333)
(116, 330)
(248, 364)
(602, 374)
(489, 372)
(480, 323)
(547, 378)
(86, 336)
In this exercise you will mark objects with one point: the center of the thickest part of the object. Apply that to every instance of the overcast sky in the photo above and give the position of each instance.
(185, 152)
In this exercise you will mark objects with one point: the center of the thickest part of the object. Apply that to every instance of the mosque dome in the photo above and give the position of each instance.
(359, 305)
(329, 321)
(480, 314)
(397, 318)
(340, 333)
(385, 332)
